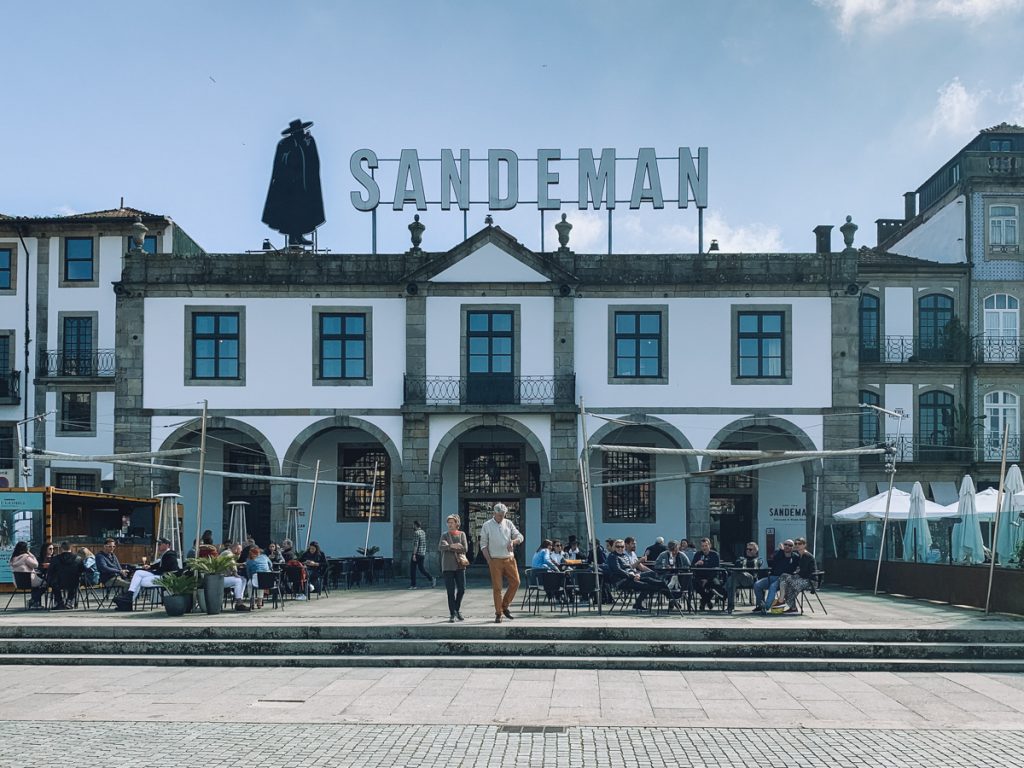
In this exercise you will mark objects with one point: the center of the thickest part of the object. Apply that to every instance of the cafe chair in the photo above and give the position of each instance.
(22, 586)
(554, 584)
(269, 581)
(813, 587)
(586, 589)
(149, 598)
(532, 592)
(110, 591)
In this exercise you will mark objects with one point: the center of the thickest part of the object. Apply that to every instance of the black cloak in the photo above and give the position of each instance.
(295, 204)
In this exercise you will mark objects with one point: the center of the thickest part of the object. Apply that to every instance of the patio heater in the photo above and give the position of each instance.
(237, 528)
(168, 524)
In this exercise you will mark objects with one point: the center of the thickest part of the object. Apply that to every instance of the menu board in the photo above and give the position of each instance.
(21, 519)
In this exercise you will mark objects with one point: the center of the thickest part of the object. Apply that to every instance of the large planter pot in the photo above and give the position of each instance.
(213, 589)
(176, 605)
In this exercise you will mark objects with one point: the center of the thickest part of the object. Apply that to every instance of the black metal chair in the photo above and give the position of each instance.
(267, 581)
(813, 587)
(22, 586)
(555, 590)
(532, 590)
(585, 589)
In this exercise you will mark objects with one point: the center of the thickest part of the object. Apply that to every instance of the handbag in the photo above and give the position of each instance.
(461, 560)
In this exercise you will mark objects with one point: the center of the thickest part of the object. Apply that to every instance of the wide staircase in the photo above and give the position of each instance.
(474, 645)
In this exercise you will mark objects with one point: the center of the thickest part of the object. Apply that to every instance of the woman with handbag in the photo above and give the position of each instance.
(453, 566)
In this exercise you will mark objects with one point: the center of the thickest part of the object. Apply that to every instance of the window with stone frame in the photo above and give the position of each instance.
(356, 464)
(870, 420)
(343, 345)
(628, 503)
(638, 345)
(761, 345)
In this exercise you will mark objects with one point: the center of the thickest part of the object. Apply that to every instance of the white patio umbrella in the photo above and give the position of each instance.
(968, 543)
(1007, 534)
(917, 539)
(874, 509)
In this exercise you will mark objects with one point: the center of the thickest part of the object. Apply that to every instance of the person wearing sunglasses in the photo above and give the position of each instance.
(783, 561)
(750, 561)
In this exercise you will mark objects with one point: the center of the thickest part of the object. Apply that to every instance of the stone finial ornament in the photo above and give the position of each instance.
(563, 228)
(416, 231)
(489, 220)
(139, 231)
(848, 229)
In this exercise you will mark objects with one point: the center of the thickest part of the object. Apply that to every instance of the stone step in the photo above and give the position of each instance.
(519, 648)
(721, 663)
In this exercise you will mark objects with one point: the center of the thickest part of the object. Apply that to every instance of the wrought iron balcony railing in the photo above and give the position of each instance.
(999, 349)
(495, 389)
(931, 449)
(990, 447)
(915, 349)
(10, 388)
(88, 364)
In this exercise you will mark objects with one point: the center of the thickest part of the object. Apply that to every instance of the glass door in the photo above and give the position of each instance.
(490, 358)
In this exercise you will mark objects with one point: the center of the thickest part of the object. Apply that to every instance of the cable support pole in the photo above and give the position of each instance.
(587, 512)
(994, 535)
(199, 490)
(312, 502)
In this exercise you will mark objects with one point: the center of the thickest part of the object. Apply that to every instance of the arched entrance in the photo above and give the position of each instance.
(487, 460)
(768, 505)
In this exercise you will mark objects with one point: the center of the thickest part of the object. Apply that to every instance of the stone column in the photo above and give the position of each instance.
(38, 438)
(132, 430)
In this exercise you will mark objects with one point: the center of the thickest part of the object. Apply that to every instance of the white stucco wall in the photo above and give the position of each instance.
(699, 355)
(941, 238)
(278, 349)
(445, 341)
(899, 312)
(489, 264)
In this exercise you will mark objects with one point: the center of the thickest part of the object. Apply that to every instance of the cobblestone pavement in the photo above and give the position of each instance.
(141, 745)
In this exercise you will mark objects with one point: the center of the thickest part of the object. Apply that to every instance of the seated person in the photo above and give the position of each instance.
(707, 583)
(144, 577)
(287, 550)
(652, 552)
(112, 574)
(63, 576)
(23, 561)
(572, 548)
(274, 555)
(792, 584)
(250, 542)
(542, 558)
(232, 581)
(557, 553)
(622, 575)
(316, 564)
(670, 563)
(257, 563)
(750, 560)
(206, 546)
(632, 557)
(782, 562)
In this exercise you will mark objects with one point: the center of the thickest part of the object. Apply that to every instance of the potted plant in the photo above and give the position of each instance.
(180, 588)
(212, 570)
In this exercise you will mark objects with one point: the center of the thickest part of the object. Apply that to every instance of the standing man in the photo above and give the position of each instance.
(419, 554)
(498, 541)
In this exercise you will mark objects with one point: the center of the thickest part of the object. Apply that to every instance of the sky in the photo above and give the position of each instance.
(811, 110)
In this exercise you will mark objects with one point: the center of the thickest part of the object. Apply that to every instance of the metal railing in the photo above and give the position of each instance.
(990, 447)
(999, 349)
(914, 349)
(497, 390)
(932, 449)
(88, 364)
(10, 388)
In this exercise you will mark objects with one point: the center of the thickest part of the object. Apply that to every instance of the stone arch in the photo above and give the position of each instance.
(226, 422)
(646, 420)
(773, 423)
(491, 420)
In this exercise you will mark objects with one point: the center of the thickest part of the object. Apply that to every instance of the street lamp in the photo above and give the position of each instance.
(890, 467)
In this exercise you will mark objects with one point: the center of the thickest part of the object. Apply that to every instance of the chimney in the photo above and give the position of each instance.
(823, 238)
(909, 205)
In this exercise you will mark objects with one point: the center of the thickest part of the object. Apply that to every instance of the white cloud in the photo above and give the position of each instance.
(640, 234)
(65, 210)
(1015, 100)
(885, 15)
(957, 111)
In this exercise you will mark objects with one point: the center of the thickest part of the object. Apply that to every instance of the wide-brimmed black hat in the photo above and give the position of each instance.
(162, 540)
(296, 126)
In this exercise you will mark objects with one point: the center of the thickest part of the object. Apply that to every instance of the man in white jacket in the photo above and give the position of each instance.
(498, 541)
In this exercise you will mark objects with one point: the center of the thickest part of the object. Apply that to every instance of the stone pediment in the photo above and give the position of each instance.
(491, 256)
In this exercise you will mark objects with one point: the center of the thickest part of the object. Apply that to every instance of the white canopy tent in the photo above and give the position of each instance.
(874, 509)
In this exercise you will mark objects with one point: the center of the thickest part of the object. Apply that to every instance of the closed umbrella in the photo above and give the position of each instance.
(968, 543)
(1006, 535)
(917, 539)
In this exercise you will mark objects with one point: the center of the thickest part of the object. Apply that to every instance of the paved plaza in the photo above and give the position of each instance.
(370, 716)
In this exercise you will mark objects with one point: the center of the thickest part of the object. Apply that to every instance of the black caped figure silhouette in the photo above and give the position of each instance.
(295, 204)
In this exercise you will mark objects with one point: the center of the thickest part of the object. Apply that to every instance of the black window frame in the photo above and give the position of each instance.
(869, 322)
(7, 272)
(72, 423)
(761, 336)
(628, 503)
(345, 339)
(490, 335)
(638, 337)
(869, 430)
(69, 260)
(217, 336)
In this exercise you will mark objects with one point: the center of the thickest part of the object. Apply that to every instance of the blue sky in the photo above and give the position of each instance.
(811, 109)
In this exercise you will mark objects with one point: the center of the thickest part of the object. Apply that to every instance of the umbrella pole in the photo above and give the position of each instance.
(888, 501)
(312, 502)
(999, 509)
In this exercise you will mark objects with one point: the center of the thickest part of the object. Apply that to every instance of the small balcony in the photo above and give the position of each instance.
(10, 388)
(936, 449)
(990, 448)
(915, 349)
(56, 363)
(490, 390)
(999, 350)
